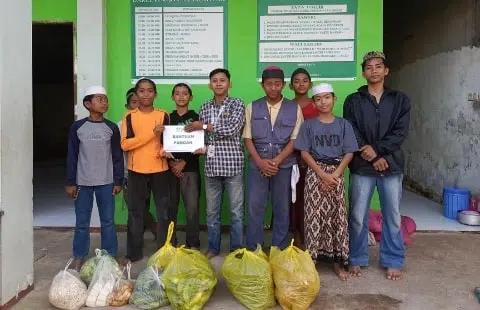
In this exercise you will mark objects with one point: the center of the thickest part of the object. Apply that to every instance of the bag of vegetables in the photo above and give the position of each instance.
(103, 281)
(163, 256)
(149, 292)
(88, 269)
(67, 290)
(249, 278)
(296, 279)
(122, 290)
(190, 280)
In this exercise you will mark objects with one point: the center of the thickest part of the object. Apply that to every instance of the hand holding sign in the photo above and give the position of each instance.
(197, 125)
(158, 130)
(200, 151)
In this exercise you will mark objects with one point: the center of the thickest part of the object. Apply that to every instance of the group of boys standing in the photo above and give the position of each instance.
(269, 127)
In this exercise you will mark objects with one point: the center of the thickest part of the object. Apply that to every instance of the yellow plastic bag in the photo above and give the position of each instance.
(164, 255)
(249, 278)
(296, 279)
(189, 280)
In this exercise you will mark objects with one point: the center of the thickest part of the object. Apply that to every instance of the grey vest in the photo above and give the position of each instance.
(268, 141)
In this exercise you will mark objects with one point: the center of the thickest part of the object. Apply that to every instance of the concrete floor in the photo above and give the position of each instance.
(52, 208)
(441, 272)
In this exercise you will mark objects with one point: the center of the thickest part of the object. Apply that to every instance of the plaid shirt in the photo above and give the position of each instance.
(228, 160)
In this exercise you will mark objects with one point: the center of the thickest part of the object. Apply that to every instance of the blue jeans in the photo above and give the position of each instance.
(259, 189)
(392, 251)
(214, 187)
(83, 213)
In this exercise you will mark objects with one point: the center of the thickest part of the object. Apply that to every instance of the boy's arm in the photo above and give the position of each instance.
(252, 151)
(234, 124)
(166, 122)
(310, 161)
(117, 157)
(72, 155)
(128, 140)
(201, 118)
(347, 158)
(349, 116)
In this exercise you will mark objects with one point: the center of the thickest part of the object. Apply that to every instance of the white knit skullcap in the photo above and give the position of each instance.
(322, 88)
(95, 90)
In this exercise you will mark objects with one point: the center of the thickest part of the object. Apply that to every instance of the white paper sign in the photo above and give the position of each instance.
(177, 140)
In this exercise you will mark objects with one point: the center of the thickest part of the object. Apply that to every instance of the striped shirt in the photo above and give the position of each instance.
(228, 119)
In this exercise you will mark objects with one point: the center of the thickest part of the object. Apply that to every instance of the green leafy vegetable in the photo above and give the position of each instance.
(149, 292)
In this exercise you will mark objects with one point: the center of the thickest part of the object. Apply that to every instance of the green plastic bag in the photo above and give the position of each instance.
(190, 280)
(296, 279)
(249, 278)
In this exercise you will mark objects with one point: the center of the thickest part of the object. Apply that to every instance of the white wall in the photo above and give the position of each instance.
(428, 48)
(16, 167)
(443, 146)
(91, 51)
(91, 58)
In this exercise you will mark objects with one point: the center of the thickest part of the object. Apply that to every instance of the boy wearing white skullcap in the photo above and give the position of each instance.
(94, 167)
(327, 144)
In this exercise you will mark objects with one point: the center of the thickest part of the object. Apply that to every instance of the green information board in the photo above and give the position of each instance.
(178, 40)
(242, 63)
(319, 35)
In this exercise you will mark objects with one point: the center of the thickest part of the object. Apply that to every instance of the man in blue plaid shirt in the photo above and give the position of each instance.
(223, 118)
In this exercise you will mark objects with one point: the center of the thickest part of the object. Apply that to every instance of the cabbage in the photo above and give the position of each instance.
(88, 269)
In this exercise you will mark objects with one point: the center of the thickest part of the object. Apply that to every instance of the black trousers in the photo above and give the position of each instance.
(148, 220)
(138, 191)
(188, 188)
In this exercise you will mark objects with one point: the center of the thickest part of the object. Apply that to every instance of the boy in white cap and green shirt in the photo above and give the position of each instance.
(94, 167)
(327, 144)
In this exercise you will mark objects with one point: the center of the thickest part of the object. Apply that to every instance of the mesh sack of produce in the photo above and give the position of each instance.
(296, 279)
(67, 290)
(163, 256)
(106, 274)
(122, 290)
(88, 269)
(249, 278)
(189, 279)
(149, 291)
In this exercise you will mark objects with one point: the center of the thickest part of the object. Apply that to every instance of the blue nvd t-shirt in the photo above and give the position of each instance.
(326, 140)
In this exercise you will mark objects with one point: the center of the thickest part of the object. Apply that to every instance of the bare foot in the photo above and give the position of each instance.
(154, 231)
(394, 274)
(78, 264)
(123, 261)
(210, 255)
(296, 240)
(340, 271)
(355, 271)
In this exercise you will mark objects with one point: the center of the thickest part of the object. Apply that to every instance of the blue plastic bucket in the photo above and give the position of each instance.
(454, 200)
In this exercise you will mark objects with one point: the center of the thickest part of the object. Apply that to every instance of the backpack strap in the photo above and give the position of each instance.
(130, 133)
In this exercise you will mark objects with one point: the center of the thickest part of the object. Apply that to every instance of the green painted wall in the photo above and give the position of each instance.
(54, 10)
(242, 55)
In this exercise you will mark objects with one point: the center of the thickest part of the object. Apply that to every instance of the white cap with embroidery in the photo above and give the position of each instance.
(95, 90)
(322, 88)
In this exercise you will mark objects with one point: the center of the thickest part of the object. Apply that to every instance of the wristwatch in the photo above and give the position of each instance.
(204, 126)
